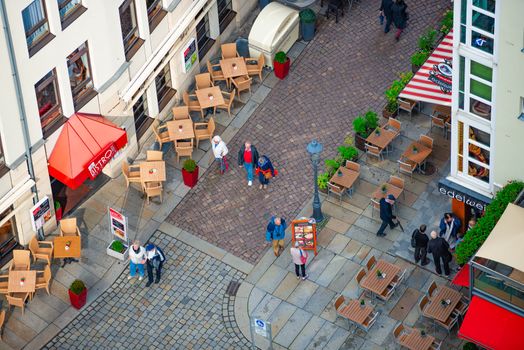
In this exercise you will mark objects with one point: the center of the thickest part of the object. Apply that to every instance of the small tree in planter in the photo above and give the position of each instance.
(363, 126)
(190, 173)
(281, 65)
(322, 181)
(391, 108)
(426, 42)
(117, 249)
(308, 19)
(78, 294)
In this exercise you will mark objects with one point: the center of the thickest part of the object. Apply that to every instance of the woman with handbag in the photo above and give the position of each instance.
(299, 259)
(265, 171)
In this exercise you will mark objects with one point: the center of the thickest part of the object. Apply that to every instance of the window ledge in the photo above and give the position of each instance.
(157, 18)
(202, 51)
(144, 127)
(54, 126)
(162, 103)
(73, 16)
(40, 44)
(228, 18)
(134, 48)
(83, 99)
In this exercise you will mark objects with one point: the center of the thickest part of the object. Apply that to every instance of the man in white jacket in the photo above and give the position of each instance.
(220, 150)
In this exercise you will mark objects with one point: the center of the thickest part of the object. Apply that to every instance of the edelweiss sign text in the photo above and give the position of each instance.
(97, 165)
(461, 197)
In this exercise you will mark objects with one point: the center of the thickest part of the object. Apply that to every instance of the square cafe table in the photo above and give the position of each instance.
(415, 341)
(347, 178)
(15, 276)
(153, 171)
(421, 155)
(390, 189)
(228, 69)
(440, 312)
(74, 249)
(209, 97)
(383, 140)
(356, 313)
(377, 285)
(180, 129)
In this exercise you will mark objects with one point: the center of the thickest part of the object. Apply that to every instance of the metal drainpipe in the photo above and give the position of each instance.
(20, 103)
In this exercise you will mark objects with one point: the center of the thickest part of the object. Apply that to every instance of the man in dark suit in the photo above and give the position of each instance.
(385, 10)
(386, 214)
(440, 250)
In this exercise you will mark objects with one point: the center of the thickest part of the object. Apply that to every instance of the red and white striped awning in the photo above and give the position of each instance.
(432, 82)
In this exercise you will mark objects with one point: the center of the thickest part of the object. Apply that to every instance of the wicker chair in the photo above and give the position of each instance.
(152, 189)
(181, 112)
(204, 133)
(41, 249)
(21, 260)
(216, 74)
(183, 149)
(229, 98)
(43, 281)
(161, 134)
(192, 102)
(17, 299)
(153, 156)
(203, 80)
(242, 84)
(131, 173)
(4, 283)
(229, 50)
(256, 69)
(68, 227)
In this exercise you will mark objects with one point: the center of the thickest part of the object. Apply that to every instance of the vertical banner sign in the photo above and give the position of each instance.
(189, 55)
(118, 225)
(40, 213)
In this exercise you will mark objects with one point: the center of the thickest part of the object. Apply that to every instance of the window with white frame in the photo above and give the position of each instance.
(475, 88)
(477, 24)
(474, 148)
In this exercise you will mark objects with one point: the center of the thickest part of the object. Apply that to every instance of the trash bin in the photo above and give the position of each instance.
(308, 19)
(263, 3)
(243, 47)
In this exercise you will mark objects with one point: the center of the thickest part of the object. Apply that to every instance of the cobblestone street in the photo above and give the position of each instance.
(341, 73)
(188, 309)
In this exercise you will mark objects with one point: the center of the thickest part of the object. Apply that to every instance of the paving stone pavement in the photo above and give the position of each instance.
(189, 309)
(341, 73)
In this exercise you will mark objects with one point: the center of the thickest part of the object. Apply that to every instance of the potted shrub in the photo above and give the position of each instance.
(447, 23)
(190, 173)
(391, 108)
(117, 249)
(281, 65)
(363, 126)
(426, 41)
(418, 59)
(322, 181)
(77, 294)
(362, 303)
(308, 19)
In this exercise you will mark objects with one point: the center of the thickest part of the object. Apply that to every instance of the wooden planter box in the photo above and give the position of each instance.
(360, 143)
(120, 256)
(387, 114)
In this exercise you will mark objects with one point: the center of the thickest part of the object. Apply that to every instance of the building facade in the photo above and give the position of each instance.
(126, 60)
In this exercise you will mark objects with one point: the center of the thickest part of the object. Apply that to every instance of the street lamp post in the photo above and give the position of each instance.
(314, 148)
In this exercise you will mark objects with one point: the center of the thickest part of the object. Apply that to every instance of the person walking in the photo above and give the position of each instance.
(421, 245)
(275, 233)
(155, 259)
(137, 259)
(449, 227)
(247, 158)
(299, 258)
(399, 16)
(385, 11)
(220, 151)
(440, 250)
(265, 171)
(386, 214)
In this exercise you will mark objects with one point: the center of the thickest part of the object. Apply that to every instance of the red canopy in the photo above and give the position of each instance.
(462, 277)
(491, 326)
(86, 144)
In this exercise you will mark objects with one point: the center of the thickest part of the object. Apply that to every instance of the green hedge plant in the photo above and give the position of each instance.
(447, 22)
(419, 58)
(365, 124)
(395, 89)
(475, 237)
(426, 41)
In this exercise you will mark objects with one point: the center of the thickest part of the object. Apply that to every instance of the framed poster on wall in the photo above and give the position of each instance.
(189, 55)
(40, 213)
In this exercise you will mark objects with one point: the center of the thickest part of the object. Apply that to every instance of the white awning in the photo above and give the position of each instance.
(16, 193)
(504, 244)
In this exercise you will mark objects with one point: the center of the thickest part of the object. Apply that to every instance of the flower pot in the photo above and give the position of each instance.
(120, 256)
(263, 3)
(387, 114)
(190, 179)
(78, 300)
(281, 69)
(360, 142)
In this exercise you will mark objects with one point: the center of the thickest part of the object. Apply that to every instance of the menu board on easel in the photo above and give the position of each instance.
(304, 231)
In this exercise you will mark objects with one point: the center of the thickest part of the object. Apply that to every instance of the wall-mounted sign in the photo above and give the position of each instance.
(100, 162)
(462, 194)
(189, 55)
(117, 223)
(40, 213)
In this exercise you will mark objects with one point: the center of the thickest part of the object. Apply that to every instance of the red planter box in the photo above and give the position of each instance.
(190, 179)
(78, 300)
(281, 69)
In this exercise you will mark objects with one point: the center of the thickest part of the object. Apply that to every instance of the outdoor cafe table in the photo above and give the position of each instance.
(355, 312)
(180, 129)
(346, 179)
(422, 152)
(229, 70)
(13, 285)
(390, 189)
(209, 97)
(377, 285)
(440, 312)
(383, 139)
(153, 171)
(415, 341)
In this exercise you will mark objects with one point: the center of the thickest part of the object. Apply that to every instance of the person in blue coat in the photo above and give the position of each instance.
(385, 10)
(386, 214)
(155, 260)
(265, 171)
(449, 228)
(275, 233)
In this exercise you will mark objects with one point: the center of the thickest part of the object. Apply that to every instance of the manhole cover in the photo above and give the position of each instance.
(429, 169)
(232, 288)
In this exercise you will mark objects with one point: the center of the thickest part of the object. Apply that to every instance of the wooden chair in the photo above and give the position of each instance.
(399, 333)
(374, 151)
(192, 103)
(41, 249)
(339, 304)
(353, 166)
(152, 156)
(426, 141)
(423, 303)
(216, 74)
(4, 283)
(242, 84)
(375, 205)
(161, 134)
(131, 172)
(152, 189)
(204, 133)
(438, 122)
(397, 182)
(183, 149)
(2, 320)
(181, 112)
(256, 69)
(68, 227)
(371, 262)
(369, 321)
(407, 105)
(229, 50)
(21, 260)
(203, 80)
(431, 289)
(407, 167)
(449, 324)
(360, 275)
(399, 278)
(42, 282)
(229, 98)
(17, 299)
(394, 125)
(461, 307)
(335, 189)
(387, 293)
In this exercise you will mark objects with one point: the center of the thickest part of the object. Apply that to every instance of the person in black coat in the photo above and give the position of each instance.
(399, 16)
(248, 158)
(386, 214)
(385, 10)
(421, 245)
(440, 250)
